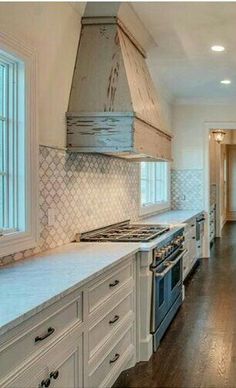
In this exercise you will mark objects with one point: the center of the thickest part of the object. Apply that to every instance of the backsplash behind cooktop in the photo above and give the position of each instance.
(85, 191)
(90, 191)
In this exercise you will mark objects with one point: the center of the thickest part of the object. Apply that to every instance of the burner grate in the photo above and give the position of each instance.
(126, 233)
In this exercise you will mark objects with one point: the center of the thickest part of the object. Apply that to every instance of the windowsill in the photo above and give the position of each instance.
(12, 243)
(152, 209)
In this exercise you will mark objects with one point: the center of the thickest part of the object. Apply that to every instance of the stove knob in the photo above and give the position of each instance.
(158, 255)
(166, 251)
(162, 253)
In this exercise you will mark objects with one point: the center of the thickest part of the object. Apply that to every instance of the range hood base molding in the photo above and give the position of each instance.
(117, 134)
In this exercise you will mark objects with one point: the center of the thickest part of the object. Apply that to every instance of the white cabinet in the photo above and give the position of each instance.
(111, 325)
(32, 336)
(190, 257)
(110, 363)
(85, 339)
(60, 366)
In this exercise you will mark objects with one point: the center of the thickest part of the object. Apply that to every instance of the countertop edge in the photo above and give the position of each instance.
(25, 316)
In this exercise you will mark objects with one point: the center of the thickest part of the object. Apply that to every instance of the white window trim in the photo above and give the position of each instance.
(157, 207)
(18, 241)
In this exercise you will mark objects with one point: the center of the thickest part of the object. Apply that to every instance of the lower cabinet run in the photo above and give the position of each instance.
(85, 339)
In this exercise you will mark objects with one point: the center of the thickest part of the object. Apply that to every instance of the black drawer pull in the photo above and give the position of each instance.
(194, 238)
(54, 374)
(43, 337)
(116, 317)
(46, 383)
(115, 358)
(114, 284)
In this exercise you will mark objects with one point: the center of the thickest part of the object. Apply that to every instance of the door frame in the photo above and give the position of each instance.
(208, 126)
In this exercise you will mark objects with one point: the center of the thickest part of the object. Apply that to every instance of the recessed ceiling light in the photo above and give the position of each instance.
(225, 81)
(217, 48)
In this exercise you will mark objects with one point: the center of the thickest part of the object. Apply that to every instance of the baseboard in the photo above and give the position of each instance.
(146, 348)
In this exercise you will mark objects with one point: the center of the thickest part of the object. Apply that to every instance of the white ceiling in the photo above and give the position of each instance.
(183, 62)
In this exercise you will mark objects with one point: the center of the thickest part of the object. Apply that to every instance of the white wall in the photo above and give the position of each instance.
(188, 123)
(53, 30)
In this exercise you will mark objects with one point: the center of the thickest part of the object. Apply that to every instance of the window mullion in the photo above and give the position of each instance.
(15, 146)
(6, 148)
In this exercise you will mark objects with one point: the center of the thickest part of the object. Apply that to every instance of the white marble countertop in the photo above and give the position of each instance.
(172, 217)
(26, 287)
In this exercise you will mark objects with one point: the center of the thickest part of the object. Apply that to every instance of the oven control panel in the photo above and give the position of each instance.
(164, 250)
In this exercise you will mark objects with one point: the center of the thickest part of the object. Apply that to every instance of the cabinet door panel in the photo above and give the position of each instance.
(61, 364)
(67, 372)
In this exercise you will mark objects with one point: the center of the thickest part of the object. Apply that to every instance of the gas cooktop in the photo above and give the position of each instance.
(124, 232)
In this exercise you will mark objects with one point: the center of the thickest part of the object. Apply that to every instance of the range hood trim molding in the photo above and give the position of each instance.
(115, 114)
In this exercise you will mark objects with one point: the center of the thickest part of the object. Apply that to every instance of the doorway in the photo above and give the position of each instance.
(222, 191)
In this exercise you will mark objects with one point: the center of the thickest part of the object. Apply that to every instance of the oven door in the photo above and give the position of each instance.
(175, 277)
(159, 306)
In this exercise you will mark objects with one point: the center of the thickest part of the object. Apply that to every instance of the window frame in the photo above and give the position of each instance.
(17, 241)
(159, 206)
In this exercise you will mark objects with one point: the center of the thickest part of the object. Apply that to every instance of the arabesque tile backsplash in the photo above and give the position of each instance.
(85, 192)
(187, 189)
(90, 191)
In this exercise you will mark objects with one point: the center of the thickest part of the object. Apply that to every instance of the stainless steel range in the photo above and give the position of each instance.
(164, 272)
(167, 284)
(125, 232)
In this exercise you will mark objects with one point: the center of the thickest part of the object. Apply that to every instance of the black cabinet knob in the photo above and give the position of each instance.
(115, 358)
(54, 374)
(116, 282)
(116, 317)
(46, 383)
(49, 332)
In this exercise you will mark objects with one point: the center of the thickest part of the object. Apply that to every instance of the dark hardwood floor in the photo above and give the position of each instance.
(199, 348)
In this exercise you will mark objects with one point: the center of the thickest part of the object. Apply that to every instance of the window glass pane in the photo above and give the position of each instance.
(154, 183)
(1, 145)
(1, 88)
(10, 127)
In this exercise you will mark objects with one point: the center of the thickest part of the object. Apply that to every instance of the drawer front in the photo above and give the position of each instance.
(106, 326)
(107, 286)
(39, 336)
(113, 359)
(60, 366)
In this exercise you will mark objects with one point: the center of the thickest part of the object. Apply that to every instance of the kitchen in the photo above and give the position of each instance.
(105, 193)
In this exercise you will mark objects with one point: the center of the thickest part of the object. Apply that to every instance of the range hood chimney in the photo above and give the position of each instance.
(113, 108)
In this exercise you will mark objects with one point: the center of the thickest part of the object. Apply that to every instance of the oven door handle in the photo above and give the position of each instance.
(162, 274)
(171, 264)
(182, 253)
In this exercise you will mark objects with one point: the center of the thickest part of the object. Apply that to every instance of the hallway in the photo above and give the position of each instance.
(199, 349)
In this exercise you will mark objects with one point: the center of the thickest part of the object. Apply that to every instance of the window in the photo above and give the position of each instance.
(12, 171)
(154, 186)
(18, 156)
